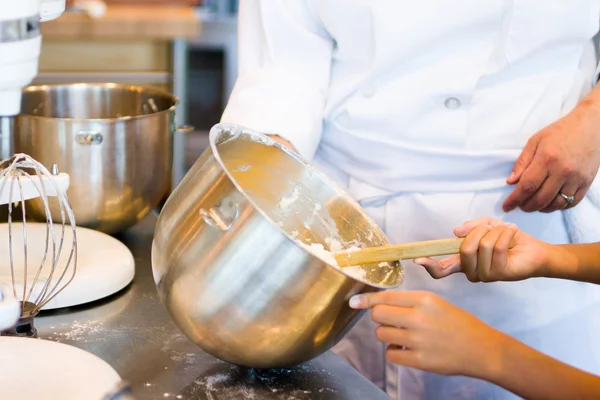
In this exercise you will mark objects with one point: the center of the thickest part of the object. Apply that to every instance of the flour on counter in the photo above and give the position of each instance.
(211, 381)
(80, 331)
(225, 386)
(278, 384)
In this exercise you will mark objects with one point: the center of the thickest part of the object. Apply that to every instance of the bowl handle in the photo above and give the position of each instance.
(89, 137)
(222, 216)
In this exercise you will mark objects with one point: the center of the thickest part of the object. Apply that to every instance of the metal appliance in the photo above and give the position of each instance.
(114, 141)
(20, 46)
(232, 261)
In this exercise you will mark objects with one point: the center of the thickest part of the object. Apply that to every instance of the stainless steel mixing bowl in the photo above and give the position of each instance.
(228, 263)
(113, 140)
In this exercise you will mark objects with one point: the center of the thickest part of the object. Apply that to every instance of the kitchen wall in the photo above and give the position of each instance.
(75, 52)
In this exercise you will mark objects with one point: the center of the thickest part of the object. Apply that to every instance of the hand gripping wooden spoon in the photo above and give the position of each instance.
(397, 252)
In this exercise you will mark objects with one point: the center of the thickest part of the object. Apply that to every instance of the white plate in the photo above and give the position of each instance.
(104, 264)
(43, 370)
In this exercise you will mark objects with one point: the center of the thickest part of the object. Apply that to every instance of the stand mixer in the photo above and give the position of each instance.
(20, 46)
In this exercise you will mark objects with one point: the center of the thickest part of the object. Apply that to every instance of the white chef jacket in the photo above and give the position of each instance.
(414, 85)
(421, 109)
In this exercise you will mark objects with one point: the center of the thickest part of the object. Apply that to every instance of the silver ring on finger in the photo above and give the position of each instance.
(569, 199)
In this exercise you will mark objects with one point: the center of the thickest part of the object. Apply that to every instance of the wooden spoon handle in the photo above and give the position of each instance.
(406, 251)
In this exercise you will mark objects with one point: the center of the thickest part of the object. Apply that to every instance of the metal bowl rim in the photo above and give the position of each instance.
(229, 126)
(133, 88)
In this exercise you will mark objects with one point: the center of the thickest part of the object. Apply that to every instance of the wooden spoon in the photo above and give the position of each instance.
(396, 252)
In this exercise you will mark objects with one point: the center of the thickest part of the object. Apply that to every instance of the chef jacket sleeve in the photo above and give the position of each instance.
(283, 72)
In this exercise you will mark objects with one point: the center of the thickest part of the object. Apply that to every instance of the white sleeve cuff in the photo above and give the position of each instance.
(275, 103)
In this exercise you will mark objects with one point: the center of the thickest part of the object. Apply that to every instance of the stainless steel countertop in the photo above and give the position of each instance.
(132, 331)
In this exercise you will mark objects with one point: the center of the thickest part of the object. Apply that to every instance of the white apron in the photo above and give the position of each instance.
(420, 109)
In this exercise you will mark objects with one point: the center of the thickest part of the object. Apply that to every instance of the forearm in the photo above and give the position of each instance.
(576, 262)
(533, 375)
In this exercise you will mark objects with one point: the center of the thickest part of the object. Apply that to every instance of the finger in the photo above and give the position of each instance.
(395, 336)
(283, 142)
(462, 230)
(440, 268)
(579, 195)
(524, 160)
(490, 222)
(498, 269)
(384, 314)
(544, 196)
(399, 356)
(485, 255)
(469, 250)
(560, 203)
(528, 185)
(370, 300)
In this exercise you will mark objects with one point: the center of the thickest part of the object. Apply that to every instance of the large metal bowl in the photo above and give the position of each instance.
(227, 260)
(113, 140)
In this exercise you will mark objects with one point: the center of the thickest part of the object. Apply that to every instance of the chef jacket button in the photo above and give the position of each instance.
(452, 103)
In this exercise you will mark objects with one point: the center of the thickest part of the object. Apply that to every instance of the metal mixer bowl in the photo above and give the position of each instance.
(229, 265)
(113, 140)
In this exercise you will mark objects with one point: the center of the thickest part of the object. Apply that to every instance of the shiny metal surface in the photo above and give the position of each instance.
(133, 332)
(228, 263)
(115, 142)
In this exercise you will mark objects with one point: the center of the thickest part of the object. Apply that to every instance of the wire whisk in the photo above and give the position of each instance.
(22, 178)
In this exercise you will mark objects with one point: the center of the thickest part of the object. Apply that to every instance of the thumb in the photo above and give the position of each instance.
(370, 300)
(442, 268)
(523, 161)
